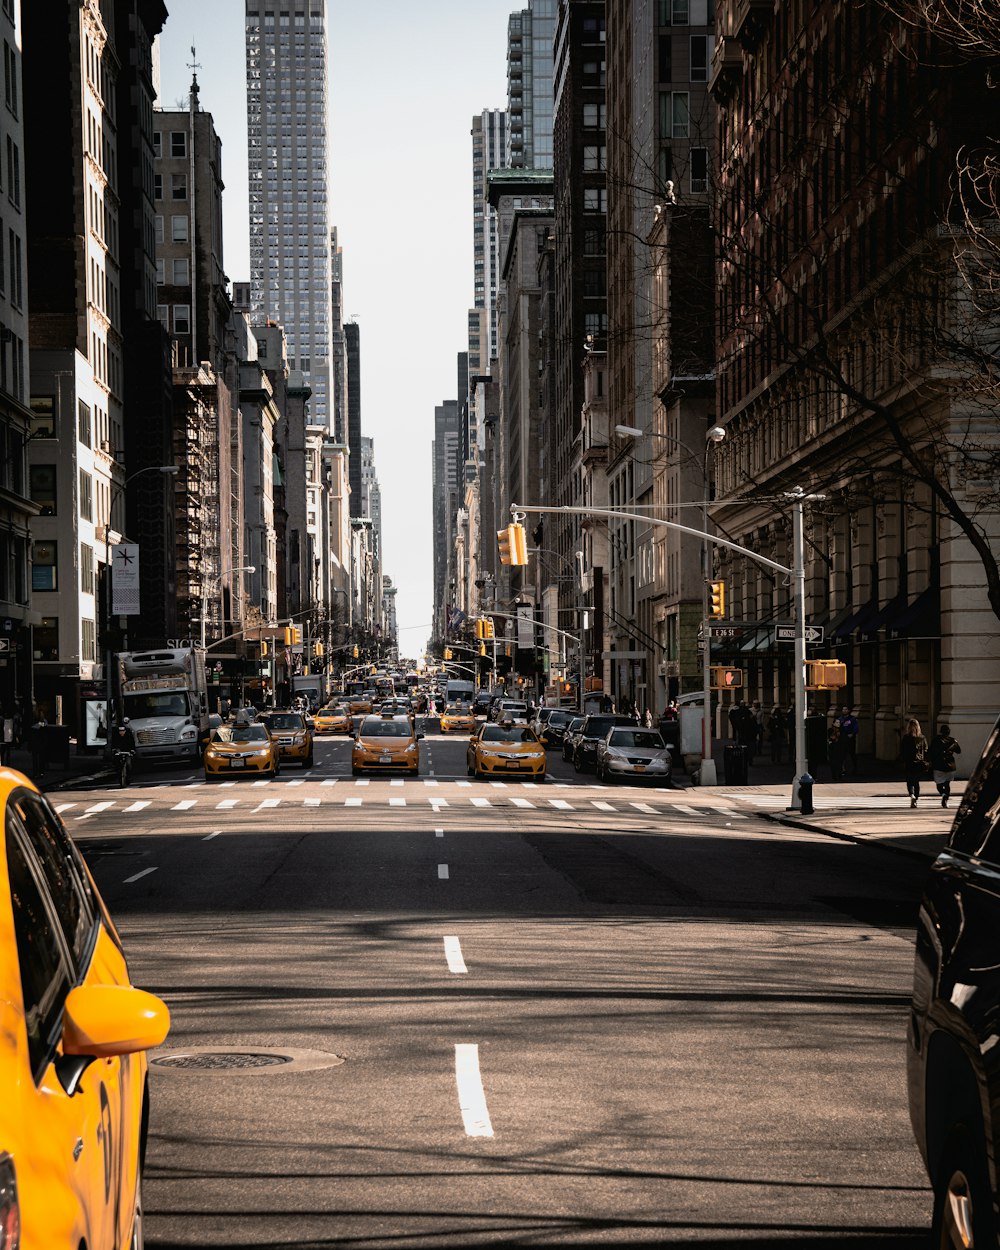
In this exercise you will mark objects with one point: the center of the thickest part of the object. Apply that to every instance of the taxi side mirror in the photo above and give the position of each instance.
(100, 1021)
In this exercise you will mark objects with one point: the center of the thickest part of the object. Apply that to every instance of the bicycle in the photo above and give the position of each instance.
(123, 762)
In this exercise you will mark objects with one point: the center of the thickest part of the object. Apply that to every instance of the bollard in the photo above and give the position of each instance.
(806, 795)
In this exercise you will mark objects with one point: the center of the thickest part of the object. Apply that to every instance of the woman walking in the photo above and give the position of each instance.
(913, 753)
(942, 752)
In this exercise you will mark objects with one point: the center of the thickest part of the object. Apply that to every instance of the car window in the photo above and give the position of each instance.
(636, 738)
(65, 876)
(575, 724)
(45, 975)
(977, 824)
(508, 733)
(288, 720)
(249, 733)
(375, 728)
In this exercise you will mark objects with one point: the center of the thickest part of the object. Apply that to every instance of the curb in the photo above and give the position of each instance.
(791, 823)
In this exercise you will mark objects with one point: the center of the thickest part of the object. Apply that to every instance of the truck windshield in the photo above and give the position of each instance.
(155, 703)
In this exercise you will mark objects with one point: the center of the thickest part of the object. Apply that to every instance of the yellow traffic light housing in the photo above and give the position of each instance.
(480, 628)
(825, 675)
(717, 600)
(503, 543)
(263, 649)
(723, 678)
(447, 653)
(482, 648)
(488, 628)
(513, 545)
(355, 652)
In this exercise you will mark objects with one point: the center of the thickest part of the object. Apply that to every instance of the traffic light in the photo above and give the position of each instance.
(488, 627)
(318, 648)
(355, 652)
(723, 678)
(513, 545)
(447, 653)
(825, 675)
(717, 600)
(293, 635)
(482, 648)
(480, 628)
(263, 649)
(287, 636)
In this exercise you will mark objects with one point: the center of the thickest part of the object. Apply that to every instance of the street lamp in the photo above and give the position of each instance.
(713, 437)
(215, 581)
(116, 491)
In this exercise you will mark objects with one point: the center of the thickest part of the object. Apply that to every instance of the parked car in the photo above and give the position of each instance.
(953, 1056)
(631, 752)
(555, 727)
(537, 722)
(593, 729)
(570, 736)
(75, 1109)
(511, 710)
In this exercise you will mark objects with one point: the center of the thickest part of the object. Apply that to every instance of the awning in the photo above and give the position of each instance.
(855, 621)
(922, 617)
(886, 617)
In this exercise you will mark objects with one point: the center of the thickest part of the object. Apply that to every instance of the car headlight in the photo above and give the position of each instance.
(189, 733)
(262, 751)
(534, 755)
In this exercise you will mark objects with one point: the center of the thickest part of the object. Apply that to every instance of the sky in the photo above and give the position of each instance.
(406, 79)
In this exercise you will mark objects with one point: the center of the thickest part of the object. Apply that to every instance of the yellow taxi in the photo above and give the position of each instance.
(333, 720)
(501, 747)
(385, 744)
(359, 706)
(73, 1032)
(292, 736)
(242, 748)
(457, 718)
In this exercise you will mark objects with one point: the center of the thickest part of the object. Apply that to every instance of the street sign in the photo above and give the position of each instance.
(788, 633)
(4, 644)
(725, 631)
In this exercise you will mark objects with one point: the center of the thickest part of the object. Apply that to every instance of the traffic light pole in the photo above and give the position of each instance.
(797, 573)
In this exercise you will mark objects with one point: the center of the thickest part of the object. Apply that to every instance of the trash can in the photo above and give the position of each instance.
(736, 765)
(815, 743)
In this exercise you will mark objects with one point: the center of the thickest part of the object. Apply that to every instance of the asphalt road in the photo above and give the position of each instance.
(510, 1014)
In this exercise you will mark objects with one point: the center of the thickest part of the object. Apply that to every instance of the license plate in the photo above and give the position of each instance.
(513, 764)
(640, 768)
(236, 763)
(385, 759)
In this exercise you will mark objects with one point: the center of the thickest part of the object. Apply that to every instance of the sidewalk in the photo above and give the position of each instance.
(79, 768)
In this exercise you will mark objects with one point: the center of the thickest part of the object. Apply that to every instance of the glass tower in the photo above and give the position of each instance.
(289, 217)
(530, 34)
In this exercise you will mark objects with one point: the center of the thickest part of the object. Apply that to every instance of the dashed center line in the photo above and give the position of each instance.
(139, 875)
(471, 1097)
(453, 954)
(442, 872)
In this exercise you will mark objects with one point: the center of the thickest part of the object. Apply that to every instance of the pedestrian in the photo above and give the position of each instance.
(835, 751)
(746, 730)
(849, 733)
(913, 754)
(6, 736)
(941, 755)
(37, 743)
(777, 733)
(759, 722)
(735, 718)
(647, 720)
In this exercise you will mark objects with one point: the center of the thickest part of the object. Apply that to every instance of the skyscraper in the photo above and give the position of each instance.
(489, 132)
(287, 153)
(530, 33)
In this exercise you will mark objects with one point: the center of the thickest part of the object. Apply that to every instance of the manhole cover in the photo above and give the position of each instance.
(243, 1059)
(213, 1059)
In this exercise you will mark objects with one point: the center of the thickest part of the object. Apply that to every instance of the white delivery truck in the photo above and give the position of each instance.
(164, 695)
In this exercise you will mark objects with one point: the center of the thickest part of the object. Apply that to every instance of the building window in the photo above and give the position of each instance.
(87, 573)
(84, 425)
(86, 496)
(44, 566)
(179, 271)
(42, 478)
(163, 316)
(700, 56)
(13, 172)
(161, 271)
(595, 156)
(157, 144)
(43, 416)
(158, 227)
(595, 200)
(179, 229)
(10, 76)
(88, 639)
(157, 186)
(178, 143)
(182, 319)
(699, 169)
(675, 120)
(178, 186)
(45, 639)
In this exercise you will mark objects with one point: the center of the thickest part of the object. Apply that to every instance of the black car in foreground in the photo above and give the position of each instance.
(953, 1052)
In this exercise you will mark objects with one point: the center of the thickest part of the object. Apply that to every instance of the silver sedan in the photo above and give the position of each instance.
(633, 752)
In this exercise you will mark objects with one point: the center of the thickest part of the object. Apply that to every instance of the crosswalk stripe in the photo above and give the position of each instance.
(688, 811)
(731, 812)
(295, 781)
(266, 803)
(437, 804)
(227, 804)
(463, 783)
(430, 781)
(477, 802)
(562, 805)
(184, 805)
(602, 805)
(499, 785)
(353, 802)
(361, 781)
(64, 807)
(518, 802)
(397, 802)
(644, 807)
(137, 806)
(97, 807)
(310, 802)
(330, 781)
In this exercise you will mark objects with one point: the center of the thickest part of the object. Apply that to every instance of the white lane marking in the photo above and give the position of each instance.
(439, 833)
(463, 783)
(64, 807)
(184, 805)
(688, 811)
(310, 802)
(297, 781)
(396, 781)
(397, 802)
(518, 802)
(562, 805)
(262, 783)
(362, 781)
(499, 785)
(477, 802)
(471, 1098)
(453, 954)
(137, 806)
(97, 807)
(429, 781)
(266, 803)
(227, 804)
(353, 802)
(330, 781)
(226, 784)
(442, 872)
(731, 812)
(145, 873)
(601, 805)
(644, 807)
(210, 836)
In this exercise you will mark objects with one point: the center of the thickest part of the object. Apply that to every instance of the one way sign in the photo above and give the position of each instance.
(787, 633)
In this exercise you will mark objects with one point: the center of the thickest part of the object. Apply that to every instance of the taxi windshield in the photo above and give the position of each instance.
(286, 720)
(375, 728)
(457, 709)
(241, 733)
(508, 733)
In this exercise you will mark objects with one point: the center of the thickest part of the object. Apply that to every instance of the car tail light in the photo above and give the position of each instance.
(10, 1211)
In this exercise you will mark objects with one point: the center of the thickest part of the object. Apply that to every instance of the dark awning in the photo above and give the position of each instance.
(855, 621)
(887, 616)
(922, 617)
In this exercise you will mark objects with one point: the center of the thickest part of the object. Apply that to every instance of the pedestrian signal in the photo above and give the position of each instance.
(726, 678)
(717, 600)
(825, 675)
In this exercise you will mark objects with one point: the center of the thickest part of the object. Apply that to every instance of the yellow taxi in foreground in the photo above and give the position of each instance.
(502, 747)
(333, 720)
(386, 744)
(242, 748)
(457, 718)
(292, 736)
(73, 1030)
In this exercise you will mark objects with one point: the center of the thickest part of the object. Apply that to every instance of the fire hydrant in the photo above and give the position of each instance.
(806, 795)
